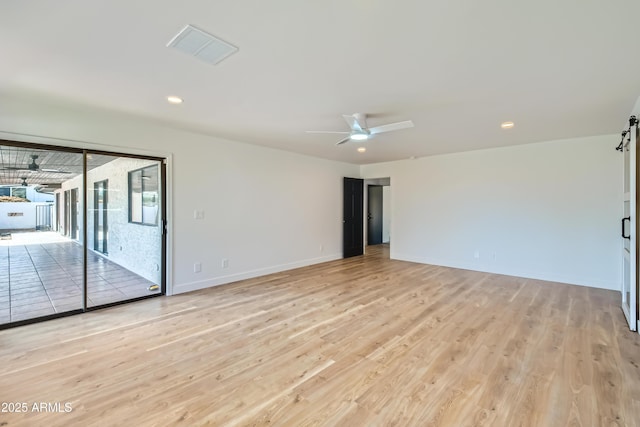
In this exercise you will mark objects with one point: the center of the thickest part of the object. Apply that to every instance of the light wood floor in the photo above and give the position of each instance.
(358, 342)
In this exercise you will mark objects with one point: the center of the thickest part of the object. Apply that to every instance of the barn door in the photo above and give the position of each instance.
(628, 227)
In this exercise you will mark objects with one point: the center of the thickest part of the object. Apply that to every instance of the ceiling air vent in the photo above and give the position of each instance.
(202, 45)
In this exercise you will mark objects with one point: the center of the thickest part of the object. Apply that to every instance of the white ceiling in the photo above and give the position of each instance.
(557, 68)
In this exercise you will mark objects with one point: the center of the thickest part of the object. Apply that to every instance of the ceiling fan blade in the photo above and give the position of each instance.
(51, 185)
(12, 168)
(343, 140)
(353, 122)
(361, 118)
(325, 131)
(53, 171)
(391, 126)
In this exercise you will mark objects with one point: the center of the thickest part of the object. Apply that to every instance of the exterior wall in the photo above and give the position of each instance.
(26, 218)
(136, 247)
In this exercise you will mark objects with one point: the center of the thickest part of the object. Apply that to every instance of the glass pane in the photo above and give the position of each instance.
(19, 192)
(627, 162)
(150, 195)
(44, 276)
(135, 191)
(129, 265)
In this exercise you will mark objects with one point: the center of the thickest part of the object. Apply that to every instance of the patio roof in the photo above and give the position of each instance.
(43, 167)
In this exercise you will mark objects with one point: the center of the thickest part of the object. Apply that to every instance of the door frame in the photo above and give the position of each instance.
(164, 223)
(384, 181)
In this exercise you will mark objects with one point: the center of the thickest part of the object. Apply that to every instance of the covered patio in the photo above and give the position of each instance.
(41, 273)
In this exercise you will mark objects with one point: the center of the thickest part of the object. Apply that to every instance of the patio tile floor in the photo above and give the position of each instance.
(42, 279)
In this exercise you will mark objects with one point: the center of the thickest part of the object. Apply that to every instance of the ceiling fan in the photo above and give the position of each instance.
(34, 167)
(360, 131)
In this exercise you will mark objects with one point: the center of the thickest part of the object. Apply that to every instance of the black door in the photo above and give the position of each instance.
(352, 220)
(374, 215)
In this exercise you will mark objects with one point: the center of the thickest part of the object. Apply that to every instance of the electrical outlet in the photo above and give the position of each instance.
(321, 248)
(476, 254)
(197, 214)
(225, 263)
(197, 267)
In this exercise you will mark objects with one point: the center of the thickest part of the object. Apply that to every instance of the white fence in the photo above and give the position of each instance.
(19, 216)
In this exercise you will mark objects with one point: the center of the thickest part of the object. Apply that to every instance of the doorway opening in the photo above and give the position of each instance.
(378, 214)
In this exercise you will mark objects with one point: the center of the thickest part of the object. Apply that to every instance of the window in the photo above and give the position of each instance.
(19, 192)
(143, 196)
(14, 191)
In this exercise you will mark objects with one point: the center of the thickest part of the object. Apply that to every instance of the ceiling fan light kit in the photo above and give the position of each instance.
(361, 132)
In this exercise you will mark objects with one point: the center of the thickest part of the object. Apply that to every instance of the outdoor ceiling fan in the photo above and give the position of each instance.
(34, 167)
(360, 131)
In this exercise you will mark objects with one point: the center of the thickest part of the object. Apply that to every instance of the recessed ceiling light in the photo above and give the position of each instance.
(359, 136)
(361, 149)
(174, 100)
(506, 125)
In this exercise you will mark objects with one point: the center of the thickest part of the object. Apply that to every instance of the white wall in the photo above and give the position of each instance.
(549, 210)
(265, 210)
(18, 215)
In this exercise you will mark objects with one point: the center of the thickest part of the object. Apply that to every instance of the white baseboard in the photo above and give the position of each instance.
(222, 280)
(537, 275)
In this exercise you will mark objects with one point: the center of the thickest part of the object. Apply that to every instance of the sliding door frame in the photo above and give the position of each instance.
(163, 224)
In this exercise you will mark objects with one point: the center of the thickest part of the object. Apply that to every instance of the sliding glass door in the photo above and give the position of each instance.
(105, 244)
(42, 269)
(125, 226)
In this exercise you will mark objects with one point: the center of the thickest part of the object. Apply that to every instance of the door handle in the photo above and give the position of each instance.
(623, 220)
